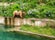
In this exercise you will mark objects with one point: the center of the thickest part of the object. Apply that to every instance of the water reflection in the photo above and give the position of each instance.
(14, 36)
(18, 36)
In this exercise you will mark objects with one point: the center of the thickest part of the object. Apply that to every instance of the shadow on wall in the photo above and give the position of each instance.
(33, 22)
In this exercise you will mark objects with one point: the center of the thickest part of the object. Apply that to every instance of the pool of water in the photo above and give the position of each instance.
(13, 36)
(16, 36)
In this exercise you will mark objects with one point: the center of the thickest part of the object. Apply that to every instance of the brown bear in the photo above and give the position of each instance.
(19, 14)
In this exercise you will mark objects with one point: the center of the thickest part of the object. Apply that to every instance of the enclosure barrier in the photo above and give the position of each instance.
(29, 21)
(19, 22)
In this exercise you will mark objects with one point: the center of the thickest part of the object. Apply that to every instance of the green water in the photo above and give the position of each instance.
(11, 36)
(17, 36)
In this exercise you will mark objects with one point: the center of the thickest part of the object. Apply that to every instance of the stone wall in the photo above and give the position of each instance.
(29, 21)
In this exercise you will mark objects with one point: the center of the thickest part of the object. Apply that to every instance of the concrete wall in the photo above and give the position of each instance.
(2, 20)
(18, 21)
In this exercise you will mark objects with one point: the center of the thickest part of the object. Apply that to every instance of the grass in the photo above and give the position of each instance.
(41, 30)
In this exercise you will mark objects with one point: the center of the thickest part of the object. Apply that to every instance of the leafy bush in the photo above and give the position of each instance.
(32, 8)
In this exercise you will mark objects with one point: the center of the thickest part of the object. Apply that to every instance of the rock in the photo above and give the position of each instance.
(40, 23)
(51, 24)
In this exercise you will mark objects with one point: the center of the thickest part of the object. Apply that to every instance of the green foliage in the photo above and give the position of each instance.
(40, 30)
(33, 8)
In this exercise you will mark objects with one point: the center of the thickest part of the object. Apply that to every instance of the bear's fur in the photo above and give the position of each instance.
(19, 14)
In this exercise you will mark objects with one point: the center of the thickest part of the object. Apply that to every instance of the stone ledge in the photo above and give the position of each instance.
(28, 32)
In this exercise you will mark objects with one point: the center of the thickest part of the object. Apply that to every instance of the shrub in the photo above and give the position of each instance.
(32, 8)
